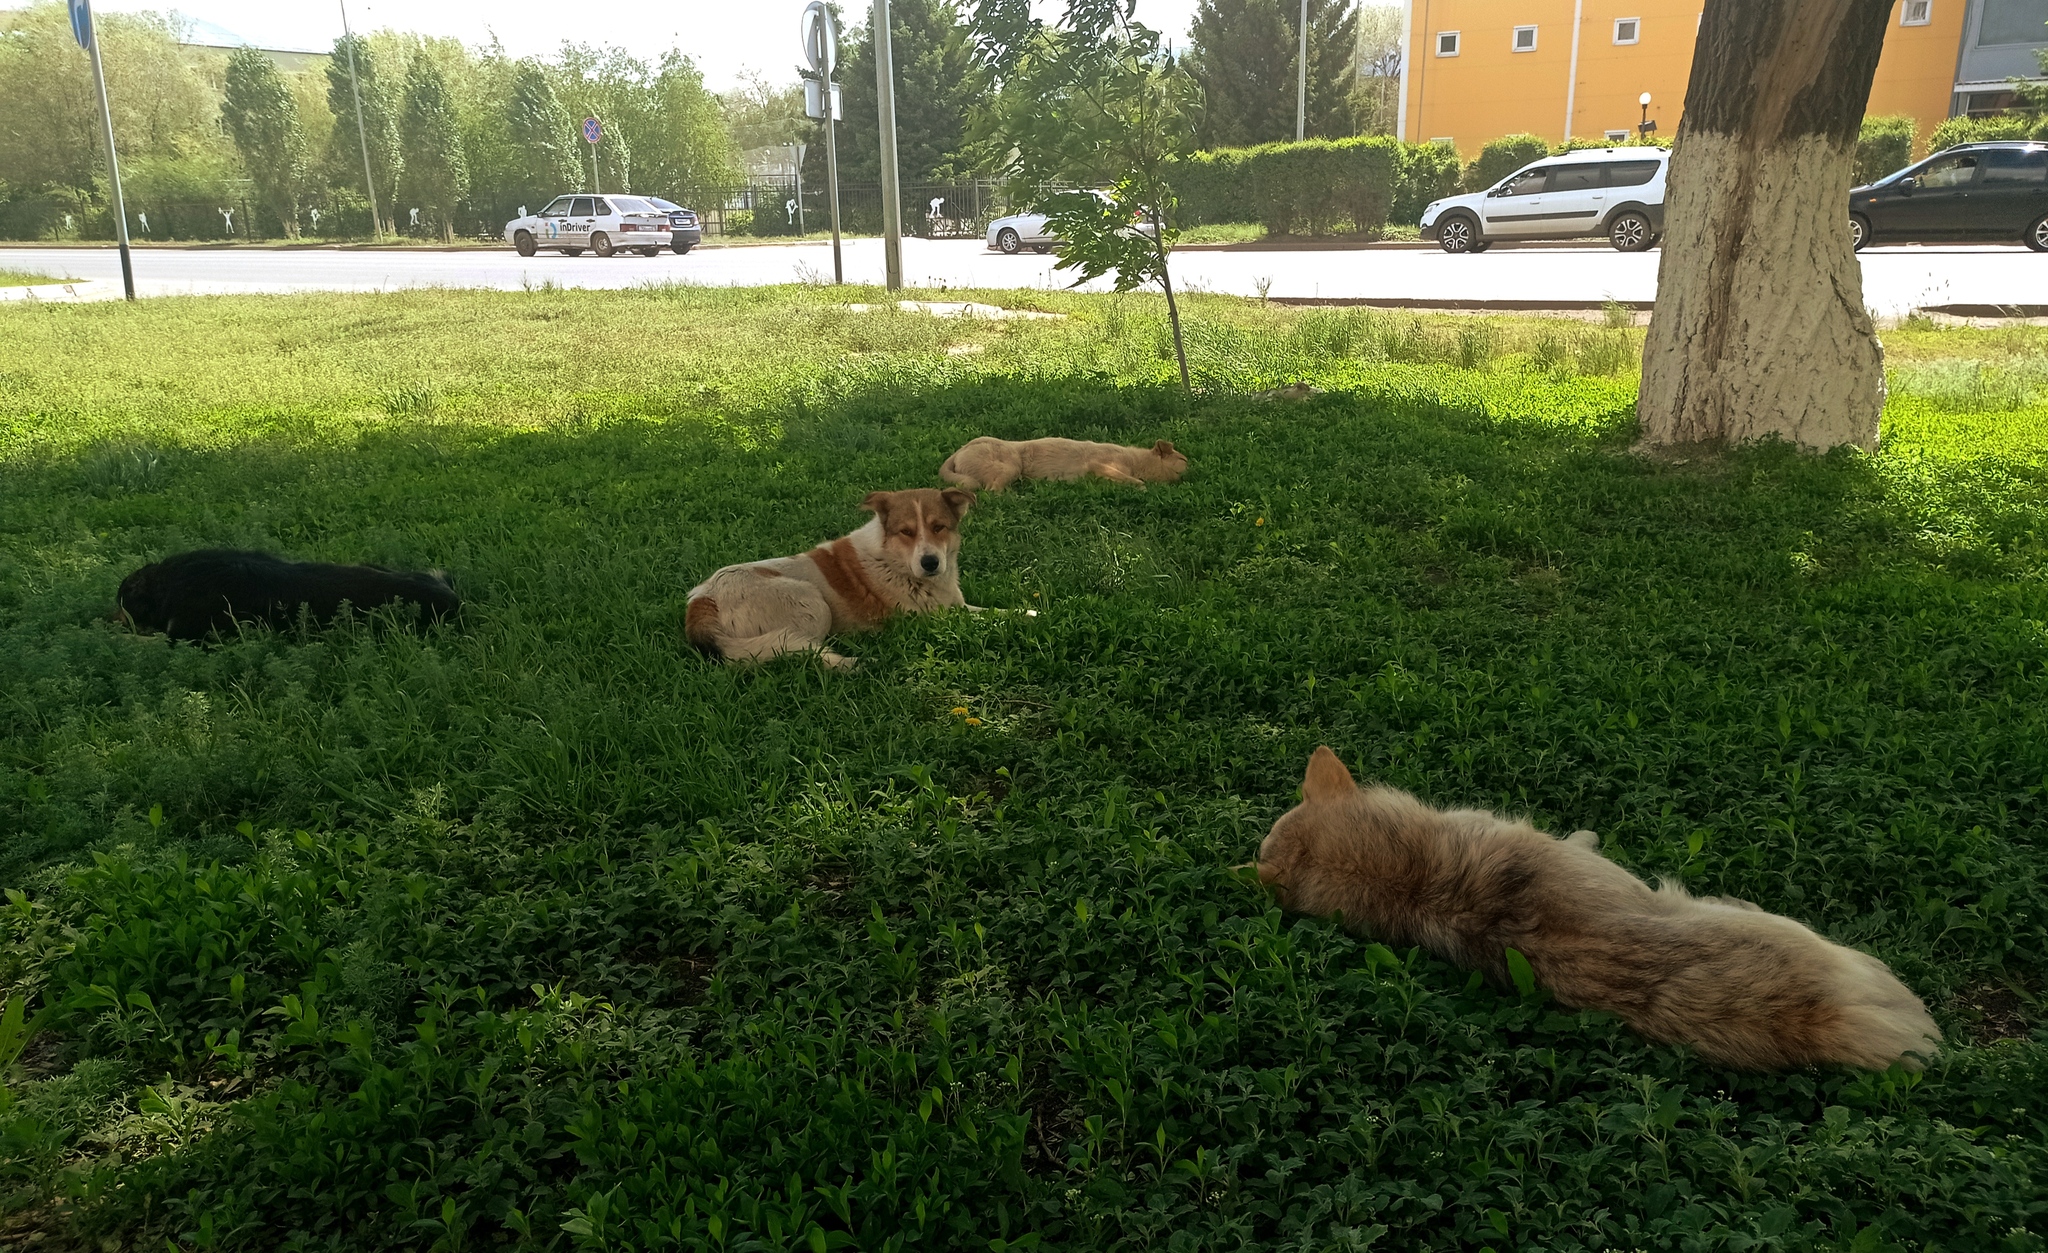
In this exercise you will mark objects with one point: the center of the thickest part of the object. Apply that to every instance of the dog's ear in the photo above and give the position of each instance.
(959, 499)
(1164, 448)
(1327, 779)
(877, 503)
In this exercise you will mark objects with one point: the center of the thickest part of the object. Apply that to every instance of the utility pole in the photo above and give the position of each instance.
(355, 89)
(88, 38)
(892, 193)
(1301, 82)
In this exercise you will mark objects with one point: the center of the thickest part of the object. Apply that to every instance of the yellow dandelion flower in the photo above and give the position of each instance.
(960, 709)
(1260, 522)
(974, 722)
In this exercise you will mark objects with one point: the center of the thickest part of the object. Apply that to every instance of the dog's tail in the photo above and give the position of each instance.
(700, 626)
(953, 474)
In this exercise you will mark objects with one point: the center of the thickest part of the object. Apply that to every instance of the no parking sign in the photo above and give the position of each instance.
(591, 130)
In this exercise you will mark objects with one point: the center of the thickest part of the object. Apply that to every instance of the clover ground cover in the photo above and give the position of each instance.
(544, 932)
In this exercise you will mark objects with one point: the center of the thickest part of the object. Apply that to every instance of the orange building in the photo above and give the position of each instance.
(1576, 69)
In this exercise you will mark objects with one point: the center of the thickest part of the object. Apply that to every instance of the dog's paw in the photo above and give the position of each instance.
(836, 661)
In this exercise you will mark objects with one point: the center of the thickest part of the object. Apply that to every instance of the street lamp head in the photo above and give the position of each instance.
(1643, 99)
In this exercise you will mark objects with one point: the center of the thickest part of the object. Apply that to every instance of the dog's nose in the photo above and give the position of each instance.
(931, 563)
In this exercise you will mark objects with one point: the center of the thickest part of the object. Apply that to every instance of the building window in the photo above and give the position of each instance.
(1525, 39)
(1628, 30)
(1447, 43)
(1615, 137)
(1916, 12)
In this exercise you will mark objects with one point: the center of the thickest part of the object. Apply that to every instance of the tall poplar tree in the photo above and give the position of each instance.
(938, 85)
(543, 135)
(263, 119)
(344, 163)
(436, 173)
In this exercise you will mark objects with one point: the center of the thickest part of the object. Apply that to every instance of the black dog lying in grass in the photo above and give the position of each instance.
(212, 589)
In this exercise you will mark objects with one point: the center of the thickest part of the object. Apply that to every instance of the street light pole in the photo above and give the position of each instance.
(1301, 82)
(355, 89)
(82, 27)
(892, 192)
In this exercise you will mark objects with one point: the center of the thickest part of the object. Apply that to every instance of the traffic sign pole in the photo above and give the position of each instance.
(82, 27)
(820, 35)
(592, 131)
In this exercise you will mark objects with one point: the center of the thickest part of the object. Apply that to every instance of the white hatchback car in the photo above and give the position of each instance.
(1616, 192)
(604, 224)
(1013, 234)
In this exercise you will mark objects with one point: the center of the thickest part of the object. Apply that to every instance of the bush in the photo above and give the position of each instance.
(1885, 144)
(1977, 130)
(1310, 187)
(1503, 157)
(1428, 172)
(739, 222)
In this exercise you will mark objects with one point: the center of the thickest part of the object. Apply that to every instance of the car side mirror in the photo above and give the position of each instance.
(1906, 185)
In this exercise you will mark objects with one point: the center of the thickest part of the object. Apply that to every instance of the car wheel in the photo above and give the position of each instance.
(1481, 245)
(523, 241)
(681, 250)
(1629, 232)
(1008, 242)
(601, 244)
(572, 252)
(648, 252)
(2037, 234)
(1041, 249)
(1859, 232)
(1455, 234)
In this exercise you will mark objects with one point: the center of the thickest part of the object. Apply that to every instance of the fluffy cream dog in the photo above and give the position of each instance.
(905, 560)
(991, 464)
(1745, 988)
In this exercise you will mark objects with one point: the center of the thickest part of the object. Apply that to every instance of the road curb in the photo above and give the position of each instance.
(1461, 306)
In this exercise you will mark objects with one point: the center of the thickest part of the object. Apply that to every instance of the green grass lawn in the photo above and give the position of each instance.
(28, 278)
(545, 932)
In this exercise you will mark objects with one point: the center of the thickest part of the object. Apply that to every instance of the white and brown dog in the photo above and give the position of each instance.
(905, 560)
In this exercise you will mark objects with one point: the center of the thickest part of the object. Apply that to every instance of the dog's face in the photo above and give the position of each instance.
(921, 529)
(138, 604)
(1289, 848)
(1172, 462)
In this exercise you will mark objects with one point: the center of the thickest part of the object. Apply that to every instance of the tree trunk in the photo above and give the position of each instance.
(1760, 328)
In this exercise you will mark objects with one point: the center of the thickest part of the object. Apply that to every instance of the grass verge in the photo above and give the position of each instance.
(544, 931)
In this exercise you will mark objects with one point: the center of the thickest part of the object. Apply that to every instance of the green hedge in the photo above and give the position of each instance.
(1976, 130)
(1502, 157)
(1315, 187)
(1885, 144)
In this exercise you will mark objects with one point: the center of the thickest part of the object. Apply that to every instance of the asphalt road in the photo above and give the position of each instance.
(1896, 280)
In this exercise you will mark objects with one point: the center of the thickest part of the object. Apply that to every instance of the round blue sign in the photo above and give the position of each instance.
(591, 130)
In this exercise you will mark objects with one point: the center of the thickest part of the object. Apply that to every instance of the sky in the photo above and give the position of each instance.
(726, 38)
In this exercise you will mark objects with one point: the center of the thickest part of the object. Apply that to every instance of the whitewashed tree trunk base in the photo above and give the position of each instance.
(1760, 328)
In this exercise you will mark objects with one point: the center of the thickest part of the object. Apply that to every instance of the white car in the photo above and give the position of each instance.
(1616, 192)
(604, 224)
(1013, 234)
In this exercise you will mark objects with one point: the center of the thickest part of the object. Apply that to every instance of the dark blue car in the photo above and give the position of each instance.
(686, 232)
(1985, 193)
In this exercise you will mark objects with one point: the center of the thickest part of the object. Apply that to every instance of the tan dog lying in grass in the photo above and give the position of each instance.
(1745, 988)
(991, 464)
(905, 560)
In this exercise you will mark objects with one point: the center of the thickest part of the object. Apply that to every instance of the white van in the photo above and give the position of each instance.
(1616, 192)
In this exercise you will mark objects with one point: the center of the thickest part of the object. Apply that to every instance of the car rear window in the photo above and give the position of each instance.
(1576, 177)
(1632, 173)
(2009, 165)
(628, 204)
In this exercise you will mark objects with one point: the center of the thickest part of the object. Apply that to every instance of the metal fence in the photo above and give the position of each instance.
(759, 208)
